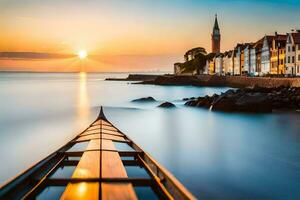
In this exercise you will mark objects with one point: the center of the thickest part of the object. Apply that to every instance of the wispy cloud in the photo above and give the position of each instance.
(33, 55)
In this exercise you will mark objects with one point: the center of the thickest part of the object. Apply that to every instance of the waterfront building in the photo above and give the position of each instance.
(247, 58)
(293, 54)
(237, 59)
(255, 58)
(206, 68)
(212, 66)
(219, 64)
(266, 55)
(216, 38)
(278, 54)
(228, 63)
(242, 59)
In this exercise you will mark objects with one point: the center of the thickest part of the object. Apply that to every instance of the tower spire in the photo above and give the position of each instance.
(216, 25)
(216, 37)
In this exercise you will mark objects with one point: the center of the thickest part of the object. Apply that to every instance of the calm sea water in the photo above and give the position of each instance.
(215, 155)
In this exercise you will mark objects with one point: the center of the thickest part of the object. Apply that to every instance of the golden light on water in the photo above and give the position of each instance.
(82, 54)
(83, 99)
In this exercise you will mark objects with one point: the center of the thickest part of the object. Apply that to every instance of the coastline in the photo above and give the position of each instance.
(212, 81)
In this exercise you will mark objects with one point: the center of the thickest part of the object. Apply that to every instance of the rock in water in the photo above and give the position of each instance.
(144, 99)
(248, 102)
(254, 102)
(166, 105)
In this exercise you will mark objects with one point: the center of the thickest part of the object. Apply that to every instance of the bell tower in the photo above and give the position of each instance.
(216, 37)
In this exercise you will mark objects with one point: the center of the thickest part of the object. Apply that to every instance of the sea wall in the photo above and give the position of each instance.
(135, 77)
(225, 81)
(264, 82)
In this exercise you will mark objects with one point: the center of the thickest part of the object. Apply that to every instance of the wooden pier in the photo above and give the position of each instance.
(99, 170)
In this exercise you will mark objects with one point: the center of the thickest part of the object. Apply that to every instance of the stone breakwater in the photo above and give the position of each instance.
(224, 81)
(253, 100)
(135, 77)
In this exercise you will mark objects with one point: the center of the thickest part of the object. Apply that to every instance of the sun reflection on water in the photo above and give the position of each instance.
(83, 110)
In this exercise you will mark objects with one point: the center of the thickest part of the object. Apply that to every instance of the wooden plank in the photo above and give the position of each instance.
(97, 122)
(88, 166)
(109, 128)
(117, 191)
(93, 145)
(105, 123)
(112, 132)
(93, 128)
(113, 137)
(96, 136)
(112, 166)
(88, 137)
(81, 190)
(90, 133)
(106, 145)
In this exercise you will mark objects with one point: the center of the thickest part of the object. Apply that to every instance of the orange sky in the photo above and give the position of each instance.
(129, 35)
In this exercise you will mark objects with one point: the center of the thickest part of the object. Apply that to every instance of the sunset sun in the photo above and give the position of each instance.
(82, 54)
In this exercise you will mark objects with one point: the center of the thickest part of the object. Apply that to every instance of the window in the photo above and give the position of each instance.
(293, 48)
(298, 47)
(281, 61)
(293, 59)
(289, 48)
(298, 57)
(298, 69)
(289, 60)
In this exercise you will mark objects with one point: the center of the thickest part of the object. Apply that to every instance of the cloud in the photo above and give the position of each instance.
(33, 56)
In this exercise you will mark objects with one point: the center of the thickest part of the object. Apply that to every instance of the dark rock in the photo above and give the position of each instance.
(248, 102)
(253, 102)
(144, 99)
(167, 105)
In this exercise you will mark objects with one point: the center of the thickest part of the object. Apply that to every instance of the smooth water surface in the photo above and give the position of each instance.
(214, 154)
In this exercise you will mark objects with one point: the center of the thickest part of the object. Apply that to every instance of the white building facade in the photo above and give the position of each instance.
(247, 58)
(219, 64)
(228, 63)
(237, 61)
(253, 64)
(293, 54)
(266, 55)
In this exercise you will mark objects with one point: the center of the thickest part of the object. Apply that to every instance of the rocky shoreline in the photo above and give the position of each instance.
(252, 100)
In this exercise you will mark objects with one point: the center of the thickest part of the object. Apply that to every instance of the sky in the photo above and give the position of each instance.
(130, 35)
